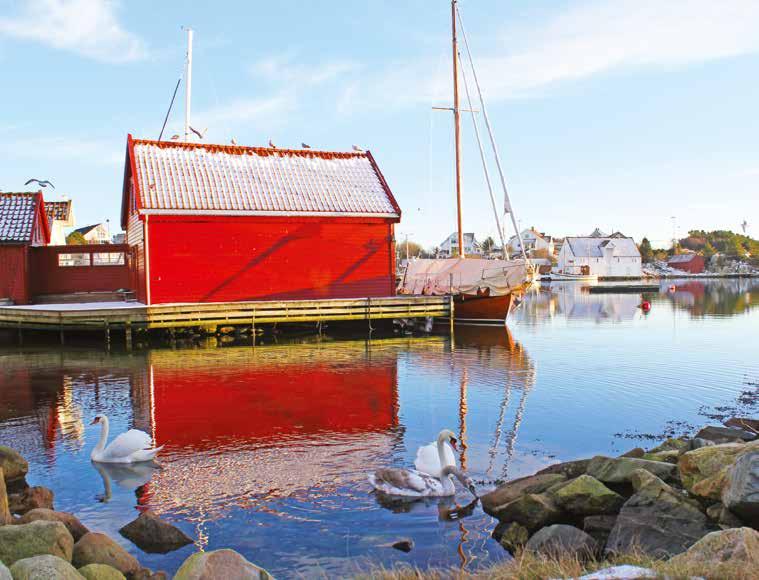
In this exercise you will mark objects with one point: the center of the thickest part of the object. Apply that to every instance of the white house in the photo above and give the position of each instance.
(602, 256)
(60, 215)
(96, 233)
(533, 241)
(450, 247)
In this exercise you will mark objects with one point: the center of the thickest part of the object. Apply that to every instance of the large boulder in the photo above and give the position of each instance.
(723, 516)
(5, 574)
(569, 469)
(744, 423)
(599, 527)
(13, 465)
(533, 511)
(704, 471)
(736, 545)
(494, 501)
(725, 434)
(44, 567)
(219, 564)
(96, 548)
(76, 528)
(560, 540)
(656, 520)
(34, 539)
(151, 534)
(679, 444)
(31, 498)
(5, 513)
(620, 469)
(741, 491)
(586, 496)
(100, 572)
(512, 536)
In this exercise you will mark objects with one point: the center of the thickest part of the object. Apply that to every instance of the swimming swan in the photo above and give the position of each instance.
(134, 446)
(428, 457)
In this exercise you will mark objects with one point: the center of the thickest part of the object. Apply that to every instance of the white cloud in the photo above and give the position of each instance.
(90, 151)
(246, 110)
(282, 68)
(87, 27)
(587, 39)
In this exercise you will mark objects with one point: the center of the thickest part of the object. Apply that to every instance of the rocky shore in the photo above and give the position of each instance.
(39, 543)
(686, 500)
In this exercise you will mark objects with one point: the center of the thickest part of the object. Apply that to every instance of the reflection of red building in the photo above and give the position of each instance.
(204, 399)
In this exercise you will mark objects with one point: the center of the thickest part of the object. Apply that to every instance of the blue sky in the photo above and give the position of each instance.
(615, 113)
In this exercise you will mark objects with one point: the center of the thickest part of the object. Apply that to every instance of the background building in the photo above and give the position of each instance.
(60, 215)
(692, 263)
(450, 246)
(534, 241)
(601, 256)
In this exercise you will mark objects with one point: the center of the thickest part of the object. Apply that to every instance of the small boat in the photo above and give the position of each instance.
(484, 291)
(567, 277)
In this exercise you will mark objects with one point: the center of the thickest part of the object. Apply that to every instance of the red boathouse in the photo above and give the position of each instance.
(692, 263)
(218, 223)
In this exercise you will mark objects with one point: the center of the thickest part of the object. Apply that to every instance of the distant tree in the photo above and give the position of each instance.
(76, 239)
(414, 249)
(487, 245)
(541, 253)
(646, 252)
(708, 250)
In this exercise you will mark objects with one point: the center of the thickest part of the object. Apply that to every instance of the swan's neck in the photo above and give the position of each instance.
(103, 436)
(441, 453)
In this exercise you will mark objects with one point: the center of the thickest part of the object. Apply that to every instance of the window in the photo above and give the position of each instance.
(66, 260)
(108, 259)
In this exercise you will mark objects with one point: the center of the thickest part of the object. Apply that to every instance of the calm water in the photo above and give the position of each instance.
(267, 448)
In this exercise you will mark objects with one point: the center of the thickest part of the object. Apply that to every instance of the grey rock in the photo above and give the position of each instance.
(495, 501)
(151, 534)
(533, 511)
(636, 452)
(96, 548)
(657, 520)
(403, 545)
(599, 527)
(14, 466)
(737, 545)
(620, 469)
(741, 494)
(725, 434)
(585, 495)
(76, 528)
(45, 567)
(698, 443)
(723, 516)
(100, 572)
(34, 539)
(220, 564)
(672, 445)
(744, 423)
(559, 540)
(513, 537)
(5, 574)
(31, 498)
(569, 469)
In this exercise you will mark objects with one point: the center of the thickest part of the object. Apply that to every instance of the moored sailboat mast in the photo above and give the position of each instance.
(457, 127)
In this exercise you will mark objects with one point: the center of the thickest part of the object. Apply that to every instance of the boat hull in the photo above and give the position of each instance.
(482, 310)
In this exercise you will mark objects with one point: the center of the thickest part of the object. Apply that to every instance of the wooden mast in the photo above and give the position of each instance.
(457, 127)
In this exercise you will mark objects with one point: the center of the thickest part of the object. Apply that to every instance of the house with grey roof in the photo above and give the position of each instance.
(450, 246)
(603, 256)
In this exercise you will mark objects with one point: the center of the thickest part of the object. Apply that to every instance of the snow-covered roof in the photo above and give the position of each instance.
(18, 212)
(195, 178)
(592, 247)
(681, 258)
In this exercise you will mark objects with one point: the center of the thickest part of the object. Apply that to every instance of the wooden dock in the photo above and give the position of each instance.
(623, 288)
(135, 316)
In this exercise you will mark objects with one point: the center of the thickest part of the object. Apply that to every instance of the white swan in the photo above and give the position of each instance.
(415, 483)
(134, 446)
(431, 459)
(412, 483)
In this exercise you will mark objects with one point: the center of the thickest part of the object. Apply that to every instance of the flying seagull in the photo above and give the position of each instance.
(272, 145)
(305, 146)
(200, 134)
(357, 148)
(43, 183)
(744, 225)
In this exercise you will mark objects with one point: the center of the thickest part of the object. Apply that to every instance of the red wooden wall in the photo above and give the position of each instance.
(230, 258)
(48, 277)
(14, 277)
(695, 265)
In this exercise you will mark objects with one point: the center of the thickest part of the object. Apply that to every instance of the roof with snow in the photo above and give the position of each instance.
(195, 178)
(681, 258)
(18, 216)
(593, 247)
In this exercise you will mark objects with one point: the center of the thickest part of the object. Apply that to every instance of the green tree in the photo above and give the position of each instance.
(487, 245)
(709, 250)
(75, 239)
(413, 249)
(646, 252)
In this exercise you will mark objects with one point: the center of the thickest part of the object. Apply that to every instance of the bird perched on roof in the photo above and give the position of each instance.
(42, 183)
(233, 141)
(200, 134)
(305, 146)
(175, 137)
(357, 148)
(271, 144)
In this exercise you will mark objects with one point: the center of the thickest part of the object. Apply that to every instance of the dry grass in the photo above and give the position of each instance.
(529, 566)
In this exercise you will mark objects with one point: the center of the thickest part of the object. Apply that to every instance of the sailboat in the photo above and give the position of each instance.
(484, 291)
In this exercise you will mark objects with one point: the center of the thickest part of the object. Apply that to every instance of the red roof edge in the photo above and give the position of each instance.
(41, 217)
(129, 171)
(385, 186)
